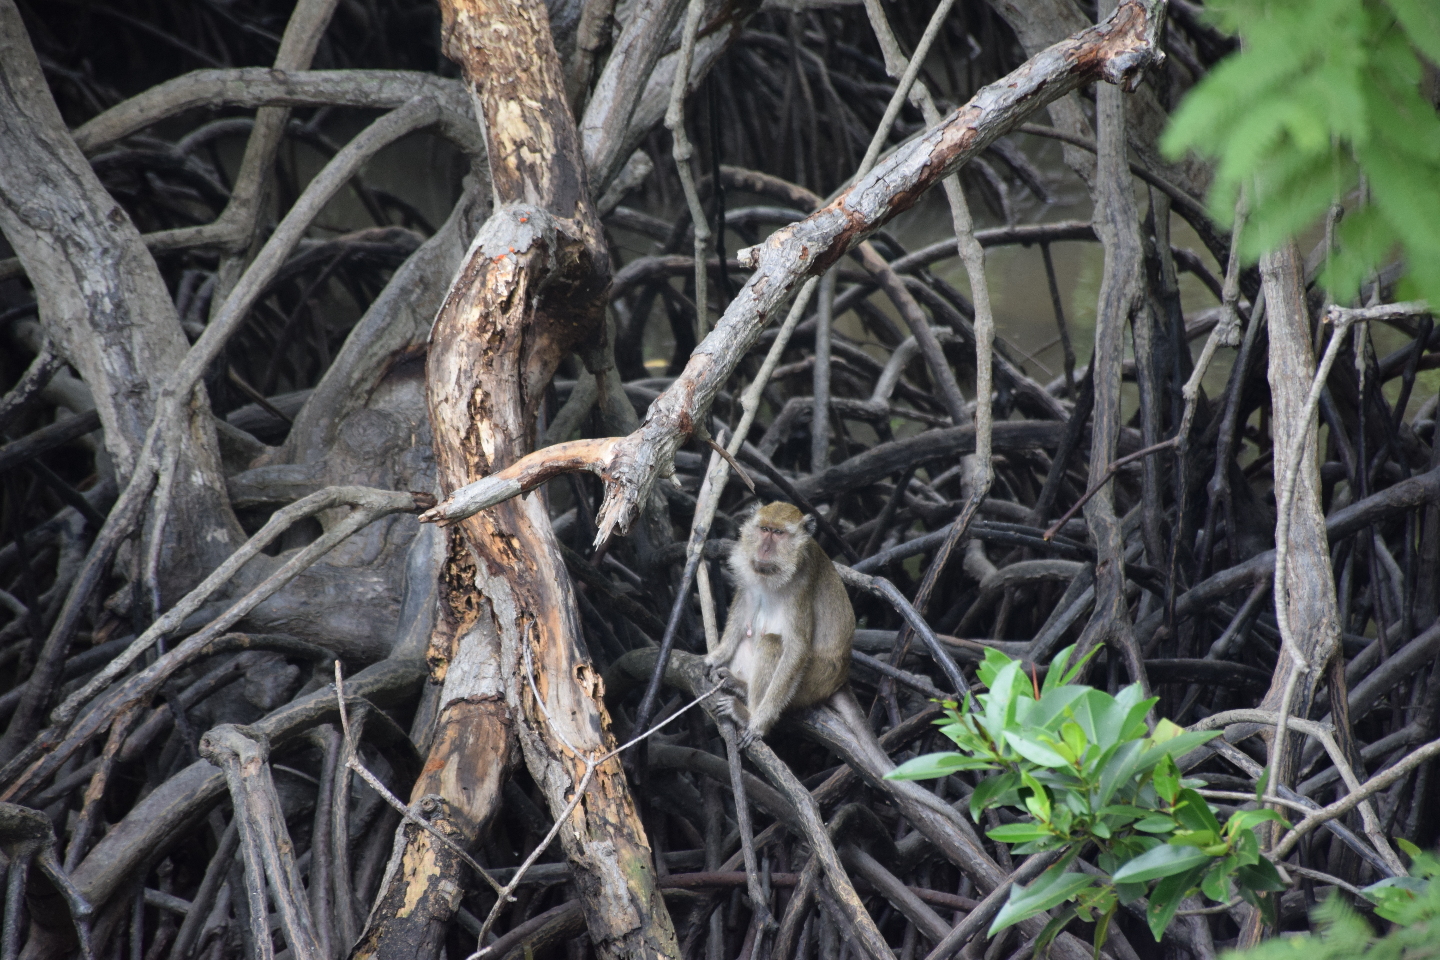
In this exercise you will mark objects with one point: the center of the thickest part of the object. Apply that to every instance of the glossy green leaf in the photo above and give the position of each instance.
(1194, 814)
(1165, 860)
(991, 790)
(933, 765)
(1167, 780)
(1165, 899)
(1038, 803)
(1157, 824)
(1051, 888)
(993, 663)
(1119, 769)
(1249, 819)
(1216, 882)
(1260, 876)
(1034, 751)
(1018, 832)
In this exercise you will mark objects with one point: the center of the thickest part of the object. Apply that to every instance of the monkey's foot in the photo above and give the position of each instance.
(744, 736)
(729, 710)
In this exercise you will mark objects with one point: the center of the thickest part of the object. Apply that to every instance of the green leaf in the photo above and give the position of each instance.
(1009, 685)
(1260, 876)
(1156, 824)
(1194, 813)
(1019, 832)
(1038, 803)
(1054, 676)
(1165, 899)
(1051, 888)
(1167, 780)
(990, 791)
(1393, 895)
(1244, 819)
(1052, 930)
(1421, 19)
(1166, 730)
(1034, 751)
(1165, 860)
(1176, 747)
(1052, 706)
(1216, 882)
(1121, 814)
(933, 765)
(1129, 892)
(993, 663)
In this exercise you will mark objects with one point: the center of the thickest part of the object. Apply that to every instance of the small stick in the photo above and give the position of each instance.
(747, 839)
(504, 894)
(353, 762)
(1110, 472)
(734, 464)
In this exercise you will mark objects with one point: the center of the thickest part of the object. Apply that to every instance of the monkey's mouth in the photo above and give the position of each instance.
(765, 568)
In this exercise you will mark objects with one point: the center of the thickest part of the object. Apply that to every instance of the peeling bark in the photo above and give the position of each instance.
(531, 291)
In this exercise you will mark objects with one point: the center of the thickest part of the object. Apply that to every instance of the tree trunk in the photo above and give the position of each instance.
(532, 290)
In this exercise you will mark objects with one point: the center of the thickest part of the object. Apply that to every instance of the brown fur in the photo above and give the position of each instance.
(791, 625)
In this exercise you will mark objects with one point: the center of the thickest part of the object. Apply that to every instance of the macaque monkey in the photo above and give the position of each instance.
(788, 635)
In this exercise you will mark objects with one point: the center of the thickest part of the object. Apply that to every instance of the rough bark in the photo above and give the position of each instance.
(1122, 298)
(1310, 579)
(531, 291)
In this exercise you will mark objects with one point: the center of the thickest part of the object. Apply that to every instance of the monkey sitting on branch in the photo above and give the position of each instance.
(791, 625)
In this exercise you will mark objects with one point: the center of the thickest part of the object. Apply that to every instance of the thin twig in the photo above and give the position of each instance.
(734, 464)
(591, 763)
(1355, 797)
(682, 151)
(1109, 475)
(352, 761)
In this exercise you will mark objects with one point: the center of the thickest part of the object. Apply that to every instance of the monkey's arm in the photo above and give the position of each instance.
(735, 623)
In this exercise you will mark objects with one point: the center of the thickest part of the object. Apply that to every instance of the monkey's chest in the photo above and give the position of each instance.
(765, 618)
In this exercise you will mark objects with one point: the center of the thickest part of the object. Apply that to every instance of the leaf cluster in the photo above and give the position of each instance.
(1323, 94)
(1081, 769)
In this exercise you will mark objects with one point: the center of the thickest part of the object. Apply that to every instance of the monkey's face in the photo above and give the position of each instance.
(774, 536)
(772, 543)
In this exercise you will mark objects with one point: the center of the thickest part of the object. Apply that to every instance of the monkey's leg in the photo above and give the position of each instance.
(782, 678)
(768, 654)
(747, 839)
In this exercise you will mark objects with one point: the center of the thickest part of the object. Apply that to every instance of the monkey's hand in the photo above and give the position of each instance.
(725, 680)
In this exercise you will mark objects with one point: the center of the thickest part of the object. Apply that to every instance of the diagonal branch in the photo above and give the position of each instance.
(1117, 51)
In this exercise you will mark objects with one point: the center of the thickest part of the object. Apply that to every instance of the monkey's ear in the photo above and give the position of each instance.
(809, 523)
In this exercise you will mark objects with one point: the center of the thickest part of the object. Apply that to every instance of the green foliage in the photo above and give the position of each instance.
(1081, 768)
(1323, 92)
(1412, 903)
